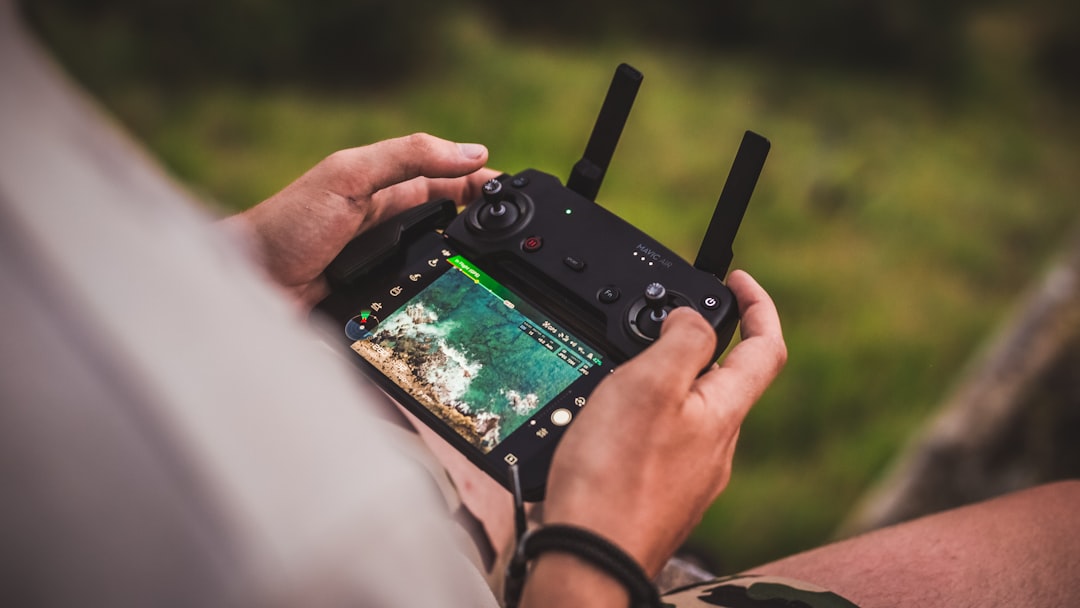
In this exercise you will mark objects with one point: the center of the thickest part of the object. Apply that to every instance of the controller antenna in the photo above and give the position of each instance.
(715, 253)
(588, 173)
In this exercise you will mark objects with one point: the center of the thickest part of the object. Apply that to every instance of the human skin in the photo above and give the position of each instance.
(647, 485)
(297, 232)
(1021, 549)
(677, 429)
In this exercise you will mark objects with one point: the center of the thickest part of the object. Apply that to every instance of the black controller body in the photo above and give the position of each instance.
(588, 266)
(494, 326)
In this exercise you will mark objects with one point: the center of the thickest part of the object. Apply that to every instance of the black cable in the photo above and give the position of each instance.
(516, 569)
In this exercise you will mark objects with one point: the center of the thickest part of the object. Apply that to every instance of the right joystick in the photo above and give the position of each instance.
(655, 299)
(648, 315)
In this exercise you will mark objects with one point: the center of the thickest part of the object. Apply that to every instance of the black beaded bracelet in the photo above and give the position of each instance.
(587, 545)
(599, 552)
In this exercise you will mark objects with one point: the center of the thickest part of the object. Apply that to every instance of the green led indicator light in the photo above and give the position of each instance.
(569, 211)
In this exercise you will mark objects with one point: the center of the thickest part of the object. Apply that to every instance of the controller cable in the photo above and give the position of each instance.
(580, 542)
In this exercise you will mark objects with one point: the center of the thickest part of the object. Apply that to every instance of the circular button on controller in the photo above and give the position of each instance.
(608, 294)
(532, 243)
(710, 302)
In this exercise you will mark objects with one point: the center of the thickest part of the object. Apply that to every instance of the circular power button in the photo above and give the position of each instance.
(710, 302)
(561, 417)
(532, 243)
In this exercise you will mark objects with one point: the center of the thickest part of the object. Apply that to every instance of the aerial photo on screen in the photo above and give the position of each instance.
(473, 361)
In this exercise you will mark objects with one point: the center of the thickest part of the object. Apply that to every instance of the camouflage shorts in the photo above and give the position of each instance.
(752, 591)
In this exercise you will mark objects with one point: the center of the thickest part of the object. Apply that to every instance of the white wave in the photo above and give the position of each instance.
(523, 405)
(487, 426)
(451, 373)
(415, 320)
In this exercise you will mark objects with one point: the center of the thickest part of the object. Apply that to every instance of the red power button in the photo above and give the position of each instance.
(532, 243)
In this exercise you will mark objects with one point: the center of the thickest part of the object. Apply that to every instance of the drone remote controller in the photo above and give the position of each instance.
(493, 326)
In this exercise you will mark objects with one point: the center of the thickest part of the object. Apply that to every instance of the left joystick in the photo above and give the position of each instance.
(492, 190)
(499, 211)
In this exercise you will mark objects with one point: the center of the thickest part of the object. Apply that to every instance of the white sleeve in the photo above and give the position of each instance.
(171, 433)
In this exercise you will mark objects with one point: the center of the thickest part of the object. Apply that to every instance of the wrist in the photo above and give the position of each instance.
(603, 566)
(578, 564)
(561, 579)
(631, 539)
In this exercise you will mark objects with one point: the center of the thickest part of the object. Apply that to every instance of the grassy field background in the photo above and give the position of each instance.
(895, 224)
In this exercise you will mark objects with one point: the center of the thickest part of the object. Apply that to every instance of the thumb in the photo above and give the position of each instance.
(368, 169)
(672, 363)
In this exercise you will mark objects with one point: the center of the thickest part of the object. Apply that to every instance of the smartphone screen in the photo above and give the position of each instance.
(476, 355)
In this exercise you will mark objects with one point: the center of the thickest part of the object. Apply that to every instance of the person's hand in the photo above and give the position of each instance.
(298, 231)
(654, 446)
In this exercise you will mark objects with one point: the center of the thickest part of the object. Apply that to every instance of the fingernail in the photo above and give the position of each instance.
(472, 151)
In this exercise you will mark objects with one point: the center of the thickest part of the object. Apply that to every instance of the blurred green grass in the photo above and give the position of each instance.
(893, 226)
